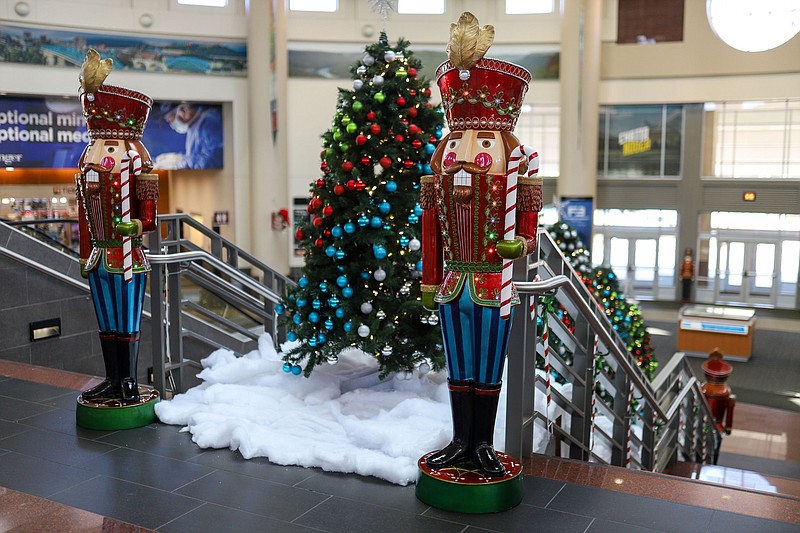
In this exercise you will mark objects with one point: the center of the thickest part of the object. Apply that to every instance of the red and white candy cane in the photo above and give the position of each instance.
(131, 164)
(546, 342)
(630, 427)
(510, 225)
(594, 393)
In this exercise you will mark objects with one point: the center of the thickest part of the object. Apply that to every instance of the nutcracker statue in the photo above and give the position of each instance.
(718, 393)
(117, 200)
(480, 212)
(687, 276)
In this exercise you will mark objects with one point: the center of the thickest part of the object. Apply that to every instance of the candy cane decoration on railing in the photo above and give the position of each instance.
(131, 164)
(510, 225)
(630, 427)
(594, 393)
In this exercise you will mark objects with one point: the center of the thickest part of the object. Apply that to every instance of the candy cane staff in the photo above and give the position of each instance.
(115, 117)
(462, 234)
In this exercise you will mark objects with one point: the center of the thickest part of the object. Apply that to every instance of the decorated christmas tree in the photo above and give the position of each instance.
(360, 283)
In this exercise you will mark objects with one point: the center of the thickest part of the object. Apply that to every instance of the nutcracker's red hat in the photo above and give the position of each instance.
(488, 96)
(115, 112)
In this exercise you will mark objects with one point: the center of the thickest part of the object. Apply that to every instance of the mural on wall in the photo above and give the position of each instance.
(307, 61)
(51, 133)
(38, 46)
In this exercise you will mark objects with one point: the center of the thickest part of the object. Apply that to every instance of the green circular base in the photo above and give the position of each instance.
(113, 413)
(462, 488)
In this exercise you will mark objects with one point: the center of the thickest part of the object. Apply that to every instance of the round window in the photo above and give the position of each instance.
(754, 26)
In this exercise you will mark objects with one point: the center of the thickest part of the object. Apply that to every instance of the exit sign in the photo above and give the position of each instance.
(749, 196)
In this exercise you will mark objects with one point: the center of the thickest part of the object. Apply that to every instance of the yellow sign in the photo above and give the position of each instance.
(635, 141)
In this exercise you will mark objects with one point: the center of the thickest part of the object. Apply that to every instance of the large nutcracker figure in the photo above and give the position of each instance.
(480, 211)
(117, 200)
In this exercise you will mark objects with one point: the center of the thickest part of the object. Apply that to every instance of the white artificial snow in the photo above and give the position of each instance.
(251, 405)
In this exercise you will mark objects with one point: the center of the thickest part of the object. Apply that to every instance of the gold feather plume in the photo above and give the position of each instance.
(94, 71)
(468, 41)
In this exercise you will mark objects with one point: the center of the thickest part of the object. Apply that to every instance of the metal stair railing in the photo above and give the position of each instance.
(209, 265)
(652, 423)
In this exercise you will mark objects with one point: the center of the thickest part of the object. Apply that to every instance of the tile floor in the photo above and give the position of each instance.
(61, 477)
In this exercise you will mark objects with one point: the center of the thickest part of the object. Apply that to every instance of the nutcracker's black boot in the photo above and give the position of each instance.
(461, 407)
(109, 387)
(485, 397)
(128, 357)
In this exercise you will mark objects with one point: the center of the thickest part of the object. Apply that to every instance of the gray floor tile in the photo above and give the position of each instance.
(210, 518)
(253, 495)
(367, 490)
(56, 447)
(13, 410)
(30, 390)
(68, 401)
(158, 439)
(129, 502)
(539, 491)
(519, 519)
(37, 476)
(723, 522)
(605, 526)
(341, 515)
(147, 469)
(11, 428)
(260, 467)
(631, 509)
(62, 421)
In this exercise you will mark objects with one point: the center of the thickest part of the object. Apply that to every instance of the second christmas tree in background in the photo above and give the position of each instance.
(360, 283)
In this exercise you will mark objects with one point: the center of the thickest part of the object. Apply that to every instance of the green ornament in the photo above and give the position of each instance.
(357, 106)
(345, 120)
(329, 152)
(379, 97)
(401, 72)
(337, 135)
(344, 147)
(351, 128)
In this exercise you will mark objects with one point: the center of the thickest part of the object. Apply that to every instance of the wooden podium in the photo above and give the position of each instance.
(703, 328)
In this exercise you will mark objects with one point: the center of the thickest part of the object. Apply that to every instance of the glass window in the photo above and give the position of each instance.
(598, 242)
(666, 259)
(640, 140)
(790, 262)
(208, 3)
(420, 7)
(639, 218)
(328, 6)
(754, 26)
(753, 139)
(754, 221)
(539, 126)
(523, 7)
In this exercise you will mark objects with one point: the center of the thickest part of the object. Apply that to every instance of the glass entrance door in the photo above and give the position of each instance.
(643, 264)
(746, 272)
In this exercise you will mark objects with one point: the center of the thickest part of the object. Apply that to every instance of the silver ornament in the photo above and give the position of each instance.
(389, 55)
(463, 75)
(424, 368)
(358, 84)
(414, 245)
(386, 350)
(377, 80)
(366, 308)
(363, 330)
(333, 359)
(361, 70)
(368, 60)
(423, 319)
(405, 289)
(381, 315)
(433, 320)
(379, 274)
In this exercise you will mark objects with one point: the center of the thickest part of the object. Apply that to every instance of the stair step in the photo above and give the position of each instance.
(737, 477)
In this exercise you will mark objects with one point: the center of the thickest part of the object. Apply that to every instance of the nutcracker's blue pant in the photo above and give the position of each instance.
(475, 340)
(118, 304)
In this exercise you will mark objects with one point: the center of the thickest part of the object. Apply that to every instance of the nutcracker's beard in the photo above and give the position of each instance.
(462, 180)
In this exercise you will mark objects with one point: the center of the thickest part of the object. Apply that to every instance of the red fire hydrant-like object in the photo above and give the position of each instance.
(717, 391)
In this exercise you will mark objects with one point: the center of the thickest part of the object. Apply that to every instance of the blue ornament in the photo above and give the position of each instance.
(279, 309)
(341, 281)
(313, 317)
(296, 370)
(376, 222)
(349, 227)
(328, 324)
(347, 326)
(420, 168)
(336, 231)
(322, 338)
(340, 268)
(419, 265)
(287, 367)
(413, 219)
(363, 220)
(312, 341)
(384, 207)
(379, 251)
(297, 319)
(365, 275)
(330, 251)
(303, 282)
(323, 287)
(302, 302)
(430, 148)
(415, 186)
(347, 292)
(340, 254)
(438, 134)
(333, 301)
(391, 186)
(404, 240)
(418, 210)
(316, 304)
(291, 336)
(427, 169)
(339, 312)
(292, 297)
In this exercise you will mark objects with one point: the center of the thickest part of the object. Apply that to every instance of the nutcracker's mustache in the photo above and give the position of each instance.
(97, 167)
(472, 168)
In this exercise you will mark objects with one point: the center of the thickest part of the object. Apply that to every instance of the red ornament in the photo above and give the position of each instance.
(310, 207)
(385, 162)
(323, 165)
(320, 183)
(399, 138)
(417, 144)
(338, 189)
(351, 184)
(360, 185)
(375, 129)
(365, 161)
(371, 115)
(413, 112)
(318, 222)
(412, 92)
(408, 163)
(427, 92)
(413, 129)
(326, 232)
(327, 211)
(299, 234)
(361, 139)
(347, 166)
(432, 139)
(318, 243)
(412, 72)
(401, 101)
